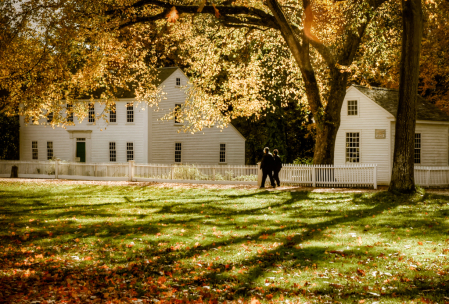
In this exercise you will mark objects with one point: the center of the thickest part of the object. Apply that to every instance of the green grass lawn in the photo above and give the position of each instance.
(87, 243)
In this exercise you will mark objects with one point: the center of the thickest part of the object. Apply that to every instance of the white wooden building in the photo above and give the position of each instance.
(134, 133)
(366, 133)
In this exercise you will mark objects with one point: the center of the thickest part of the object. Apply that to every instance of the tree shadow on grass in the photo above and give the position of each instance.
(141, 271)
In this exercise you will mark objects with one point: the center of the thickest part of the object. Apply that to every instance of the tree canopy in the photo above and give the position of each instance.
(88, 49)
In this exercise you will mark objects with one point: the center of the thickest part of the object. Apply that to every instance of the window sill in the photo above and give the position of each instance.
(222, 163)
(130, 123)
(177, 124)
(112, 123)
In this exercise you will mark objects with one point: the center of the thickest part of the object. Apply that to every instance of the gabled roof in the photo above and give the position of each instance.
(389, 98)
(164, 73)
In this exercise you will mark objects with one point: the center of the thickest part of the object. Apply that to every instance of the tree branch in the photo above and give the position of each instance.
(353, 39)
(259, 17)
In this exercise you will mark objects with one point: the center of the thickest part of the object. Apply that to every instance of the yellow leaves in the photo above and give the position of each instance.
(172, 16)
(217, 13)
(202, 4)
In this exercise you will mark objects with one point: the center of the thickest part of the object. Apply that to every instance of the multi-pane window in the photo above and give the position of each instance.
(129, 112)
(417, 148)
(177, 152)
(352, 107)
(177, 114)
(69, 113)
(222, 153)
(112, 152)
(178, 81)
(353, 147)
(49, 150)
(129, 151)
(34, 149)
(91, 112)
(50, 117)
(113, 113)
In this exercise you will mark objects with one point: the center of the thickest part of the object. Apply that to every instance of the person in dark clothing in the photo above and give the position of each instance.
(277, 167)
(267, 166)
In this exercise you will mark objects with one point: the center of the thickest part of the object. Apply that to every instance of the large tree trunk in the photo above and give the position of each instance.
(327, 125)
(402, 177)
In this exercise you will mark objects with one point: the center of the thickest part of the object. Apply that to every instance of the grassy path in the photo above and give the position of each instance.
(84, 243)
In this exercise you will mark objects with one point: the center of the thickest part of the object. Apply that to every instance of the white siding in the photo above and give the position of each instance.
(98, 135)
(154, 141)
(42, 134)
(434, 143)
(197, 148)
(370, 117)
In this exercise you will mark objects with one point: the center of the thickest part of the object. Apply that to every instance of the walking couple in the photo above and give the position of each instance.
(270, 166)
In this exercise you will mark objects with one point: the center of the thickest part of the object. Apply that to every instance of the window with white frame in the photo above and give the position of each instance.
(417, 148)
(222, 153)
(129, 112)
(49, 150)
(50, 117)
(34, 150)
(113, 113)
(352, 107)
(129, 151)
(91, 112)
(178, 81)
(69, 113)
(353, 147)
(112, 152)
(177, 114)
(178, 152)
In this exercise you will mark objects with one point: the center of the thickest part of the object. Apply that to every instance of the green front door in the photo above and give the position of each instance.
(81, 151)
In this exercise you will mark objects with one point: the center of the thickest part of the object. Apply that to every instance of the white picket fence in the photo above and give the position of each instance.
(361, 175)
(432, 176)
(132, 172)
(306, 175)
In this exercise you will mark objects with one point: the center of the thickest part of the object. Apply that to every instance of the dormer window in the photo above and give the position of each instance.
(178, 82)
(352, 107)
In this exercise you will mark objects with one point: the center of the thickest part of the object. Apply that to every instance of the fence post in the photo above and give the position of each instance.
(213, 173)
(56, 168)
(130, 170)
(259, 175)
(375, 177)
(172, 171)
(313, 177)
(428, 178)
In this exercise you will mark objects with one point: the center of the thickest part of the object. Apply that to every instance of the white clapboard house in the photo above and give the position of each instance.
(366, 133)
(134, 133)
